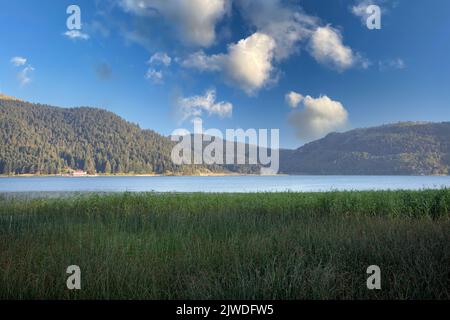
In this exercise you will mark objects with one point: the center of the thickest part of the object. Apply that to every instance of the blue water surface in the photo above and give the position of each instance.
(220, 183)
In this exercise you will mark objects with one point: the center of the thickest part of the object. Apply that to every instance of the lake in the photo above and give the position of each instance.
(221, 184)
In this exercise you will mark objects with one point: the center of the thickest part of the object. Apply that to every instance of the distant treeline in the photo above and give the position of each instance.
(408, 148)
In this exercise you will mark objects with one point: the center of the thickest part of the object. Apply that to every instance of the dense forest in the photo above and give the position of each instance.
(409, 148)
(40, 139)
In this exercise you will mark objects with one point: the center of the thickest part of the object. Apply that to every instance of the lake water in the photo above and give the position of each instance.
(221, 184)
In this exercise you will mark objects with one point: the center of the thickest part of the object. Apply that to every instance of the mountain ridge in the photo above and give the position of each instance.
(403, 148)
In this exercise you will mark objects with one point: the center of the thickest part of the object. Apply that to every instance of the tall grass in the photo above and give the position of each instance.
(227, 246)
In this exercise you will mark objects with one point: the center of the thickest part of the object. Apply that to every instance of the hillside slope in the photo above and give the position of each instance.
(409, 148)
(43, 139)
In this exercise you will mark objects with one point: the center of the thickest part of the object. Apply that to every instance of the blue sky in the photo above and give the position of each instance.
(233, 62)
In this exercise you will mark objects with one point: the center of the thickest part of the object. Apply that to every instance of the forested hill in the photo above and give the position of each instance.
(47, 140)
(409, 148)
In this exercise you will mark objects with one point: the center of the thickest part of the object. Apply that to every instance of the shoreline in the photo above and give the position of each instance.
(141, 175)
(217, 175)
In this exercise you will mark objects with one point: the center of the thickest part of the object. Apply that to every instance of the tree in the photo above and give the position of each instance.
(107, 167)
(89, 166)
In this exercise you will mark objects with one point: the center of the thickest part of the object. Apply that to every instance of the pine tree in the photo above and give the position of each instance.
(107, 167)
(89, 166)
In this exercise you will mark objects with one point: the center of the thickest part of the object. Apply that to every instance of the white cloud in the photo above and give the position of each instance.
(195, 106)
(281, 29)
(319, 117)
(160, 58)
(18, 61)
(287, 25)
(194, 20)
(359, 9)
(389, 64)
(154, 75)
(327, 48)
(203, 62)
(248, 63)
(76, 34)
(24, 75)
(291, 29)
(293, 99)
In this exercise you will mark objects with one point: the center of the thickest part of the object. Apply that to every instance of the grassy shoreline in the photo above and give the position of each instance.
(227, 246)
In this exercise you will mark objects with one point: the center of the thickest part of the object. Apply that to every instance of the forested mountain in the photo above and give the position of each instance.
(48, 140)
(41, 139)
(409, 148)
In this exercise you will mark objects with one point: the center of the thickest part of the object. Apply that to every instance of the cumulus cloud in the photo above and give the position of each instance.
(248, 63)
(282, 31)
(287, 25)
(18, 61)
(76, 35)
(292, 29)
(194, 20)
(160, 58)
(326, 47)
(293, 99)
(319, 117)
(195, 106)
